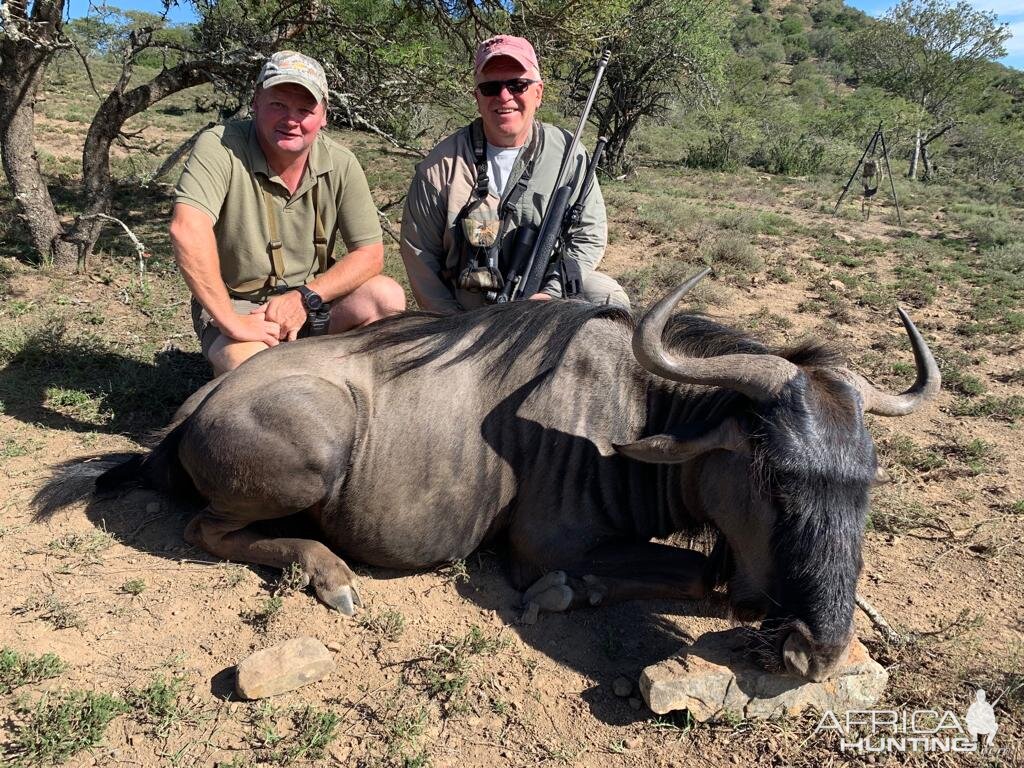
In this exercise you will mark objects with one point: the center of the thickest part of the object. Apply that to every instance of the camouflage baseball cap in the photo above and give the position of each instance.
(294, 67)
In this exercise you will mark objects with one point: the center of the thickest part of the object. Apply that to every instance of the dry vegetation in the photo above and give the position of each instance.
(118, 637)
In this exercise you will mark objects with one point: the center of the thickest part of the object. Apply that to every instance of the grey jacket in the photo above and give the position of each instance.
(444, 183)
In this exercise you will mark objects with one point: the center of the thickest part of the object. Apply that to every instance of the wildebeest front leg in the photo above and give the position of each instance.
(333, 581)
(623, 571)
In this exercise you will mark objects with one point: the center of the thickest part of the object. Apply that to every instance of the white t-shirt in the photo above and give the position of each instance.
(499, 166)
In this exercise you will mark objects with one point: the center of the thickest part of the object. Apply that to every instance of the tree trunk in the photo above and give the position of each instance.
(106, 125)
(916, 153)
(24, 64)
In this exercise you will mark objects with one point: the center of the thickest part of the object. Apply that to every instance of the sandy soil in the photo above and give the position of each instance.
(537, 695)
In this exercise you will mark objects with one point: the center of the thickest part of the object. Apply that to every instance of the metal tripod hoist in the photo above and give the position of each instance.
(870, 169)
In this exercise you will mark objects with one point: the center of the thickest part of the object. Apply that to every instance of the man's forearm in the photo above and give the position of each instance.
(349, 272)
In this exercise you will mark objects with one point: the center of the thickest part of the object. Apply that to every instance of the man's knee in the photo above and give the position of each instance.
(388, 296)
(599, 288)
(378, 297)
(227, 354)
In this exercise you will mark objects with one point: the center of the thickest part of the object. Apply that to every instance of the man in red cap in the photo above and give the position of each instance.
(481, 194)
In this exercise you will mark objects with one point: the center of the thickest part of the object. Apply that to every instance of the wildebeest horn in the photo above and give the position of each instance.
(759, 377)
(925, 387)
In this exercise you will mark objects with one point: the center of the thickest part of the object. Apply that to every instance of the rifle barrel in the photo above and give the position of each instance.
(551, 227)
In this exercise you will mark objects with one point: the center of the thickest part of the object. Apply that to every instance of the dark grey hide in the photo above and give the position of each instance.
(415, 440)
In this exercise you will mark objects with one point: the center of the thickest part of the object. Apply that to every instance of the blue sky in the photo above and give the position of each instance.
(1010, 11)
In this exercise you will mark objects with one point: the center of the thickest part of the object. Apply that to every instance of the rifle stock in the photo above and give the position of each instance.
(544, 247)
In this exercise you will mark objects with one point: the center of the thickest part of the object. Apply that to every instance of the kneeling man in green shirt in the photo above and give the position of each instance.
(258, 211)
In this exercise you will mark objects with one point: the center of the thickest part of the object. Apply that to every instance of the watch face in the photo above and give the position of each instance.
(311, 299)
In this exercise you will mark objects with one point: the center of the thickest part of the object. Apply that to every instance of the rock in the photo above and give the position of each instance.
(555, 599)
(544, 583)
(842, 236)
(635, 703)
(622, 687)
(283, 667)
(335, 646)
(713, 676)
(837, 285)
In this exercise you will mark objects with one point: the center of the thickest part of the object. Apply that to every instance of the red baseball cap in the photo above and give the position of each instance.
(515, 48)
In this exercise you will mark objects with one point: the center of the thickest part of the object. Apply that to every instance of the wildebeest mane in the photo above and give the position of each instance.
(700, 336)
(513, 329)
(522, 325)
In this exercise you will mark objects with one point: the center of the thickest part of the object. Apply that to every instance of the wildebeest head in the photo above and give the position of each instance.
(789, 484)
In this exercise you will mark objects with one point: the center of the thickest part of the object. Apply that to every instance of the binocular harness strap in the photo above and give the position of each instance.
(258, 289)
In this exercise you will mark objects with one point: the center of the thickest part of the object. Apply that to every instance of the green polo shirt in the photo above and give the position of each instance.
(225, 176)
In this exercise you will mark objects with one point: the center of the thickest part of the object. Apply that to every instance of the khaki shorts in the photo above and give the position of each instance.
(205, 326)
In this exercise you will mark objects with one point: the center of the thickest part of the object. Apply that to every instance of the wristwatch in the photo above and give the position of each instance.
(310, 299)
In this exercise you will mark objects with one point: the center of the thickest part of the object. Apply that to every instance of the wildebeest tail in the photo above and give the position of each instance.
(159, 469)
(75, 480)
(121, 474)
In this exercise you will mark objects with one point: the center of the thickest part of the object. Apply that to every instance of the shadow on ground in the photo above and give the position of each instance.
(600, 643)
(81, 385)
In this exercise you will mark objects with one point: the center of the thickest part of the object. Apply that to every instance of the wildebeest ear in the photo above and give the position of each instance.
(667, 449)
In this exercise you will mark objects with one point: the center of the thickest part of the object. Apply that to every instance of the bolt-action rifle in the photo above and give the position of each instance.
(533, 256)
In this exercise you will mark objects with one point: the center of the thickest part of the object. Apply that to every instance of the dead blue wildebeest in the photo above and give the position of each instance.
(558, 426)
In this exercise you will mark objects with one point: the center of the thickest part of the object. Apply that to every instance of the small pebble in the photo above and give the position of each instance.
(635, 703)
(633, 743)
(622, 687)
(334, 646)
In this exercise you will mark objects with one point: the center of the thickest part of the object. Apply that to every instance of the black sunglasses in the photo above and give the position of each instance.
(514, 86)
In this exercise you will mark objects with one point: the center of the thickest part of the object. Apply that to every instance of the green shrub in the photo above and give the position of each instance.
(61, 726)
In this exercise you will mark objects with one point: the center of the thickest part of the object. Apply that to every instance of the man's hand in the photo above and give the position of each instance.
(288, 311)
(253, 327)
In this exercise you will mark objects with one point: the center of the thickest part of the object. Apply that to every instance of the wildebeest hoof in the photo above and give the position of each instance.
(545, 582)
(530, 614)
(344, 599)
(595, 589)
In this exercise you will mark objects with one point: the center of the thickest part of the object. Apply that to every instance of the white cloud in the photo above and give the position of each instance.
(1002, 7)
(1015, 45)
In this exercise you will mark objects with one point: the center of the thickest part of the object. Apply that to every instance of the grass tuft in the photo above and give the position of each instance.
(261, 618)
(60, 726)
(388, 624)
(17, 669)
(447, 672)
(999, 408)
(133, 587)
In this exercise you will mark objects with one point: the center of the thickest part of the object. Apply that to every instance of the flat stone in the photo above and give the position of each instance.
(714, 677)
(283, 667)
(842, 236)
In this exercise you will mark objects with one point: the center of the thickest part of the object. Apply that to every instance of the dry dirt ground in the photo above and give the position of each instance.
(437, 670)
